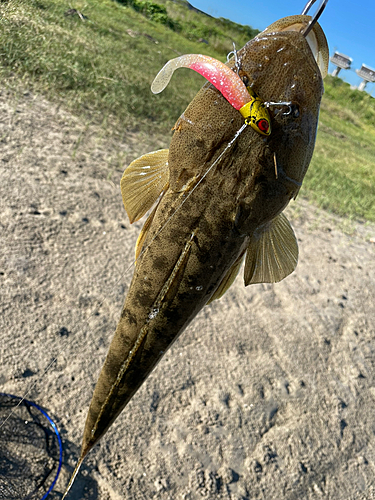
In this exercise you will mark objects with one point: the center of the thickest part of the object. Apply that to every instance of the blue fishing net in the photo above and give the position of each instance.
(30, 450)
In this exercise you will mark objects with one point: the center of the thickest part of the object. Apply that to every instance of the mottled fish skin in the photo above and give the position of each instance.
(203, 224)
(198, 251)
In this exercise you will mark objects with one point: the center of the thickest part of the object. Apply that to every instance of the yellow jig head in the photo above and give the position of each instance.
(256, 114)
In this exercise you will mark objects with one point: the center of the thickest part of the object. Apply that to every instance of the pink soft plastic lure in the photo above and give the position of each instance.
(226, 81)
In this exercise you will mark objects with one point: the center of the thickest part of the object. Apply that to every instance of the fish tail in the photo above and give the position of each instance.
(135, 350)
(74, 475)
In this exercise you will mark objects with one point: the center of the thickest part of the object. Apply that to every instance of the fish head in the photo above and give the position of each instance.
(286, 69)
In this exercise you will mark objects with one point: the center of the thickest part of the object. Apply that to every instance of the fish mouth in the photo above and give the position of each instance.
(316, 38)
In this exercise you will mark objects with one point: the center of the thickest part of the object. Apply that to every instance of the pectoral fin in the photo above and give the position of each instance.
(143, 182)
(228, 280)
(272, 254)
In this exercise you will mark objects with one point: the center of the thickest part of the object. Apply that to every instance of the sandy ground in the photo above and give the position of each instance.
(269, 394)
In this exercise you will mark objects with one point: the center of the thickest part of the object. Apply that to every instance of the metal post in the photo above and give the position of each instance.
(362, 85)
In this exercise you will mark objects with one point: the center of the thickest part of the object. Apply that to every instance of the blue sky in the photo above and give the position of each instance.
(348, 25)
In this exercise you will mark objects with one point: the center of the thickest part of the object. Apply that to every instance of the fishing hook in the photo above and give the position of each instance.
(237, 63)
(288, 104)
(318, 13)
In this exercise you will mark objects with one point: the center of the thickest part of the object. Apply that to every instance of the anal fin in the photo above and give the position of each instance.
(228, 280)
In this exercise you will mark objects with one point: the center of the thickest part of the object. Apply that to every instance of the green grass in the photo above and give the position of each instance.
(341, 177)
(220, 33)
(103, 66)
(102, 69)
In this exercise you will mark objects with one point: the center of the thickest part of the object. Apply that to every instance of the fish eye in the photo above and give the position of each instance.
(294, 110)
(245, 80)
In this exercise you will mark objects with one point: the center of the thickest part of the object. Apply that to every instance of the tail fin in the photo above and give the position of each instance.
(73, 476)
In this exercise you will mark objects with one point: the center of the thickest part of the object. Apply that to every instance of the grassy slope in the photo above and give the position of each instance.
(341, 177)
(103, 68)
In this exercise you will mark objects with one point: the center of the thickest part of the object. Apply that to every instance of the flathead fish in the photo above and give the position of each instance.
(238, 155)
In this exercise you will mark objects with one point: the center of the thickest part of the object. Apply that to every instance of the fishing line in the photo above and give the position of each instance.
(237, 134)
(127, 269)
(229, 145)
(194, 188)
(101, 302)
